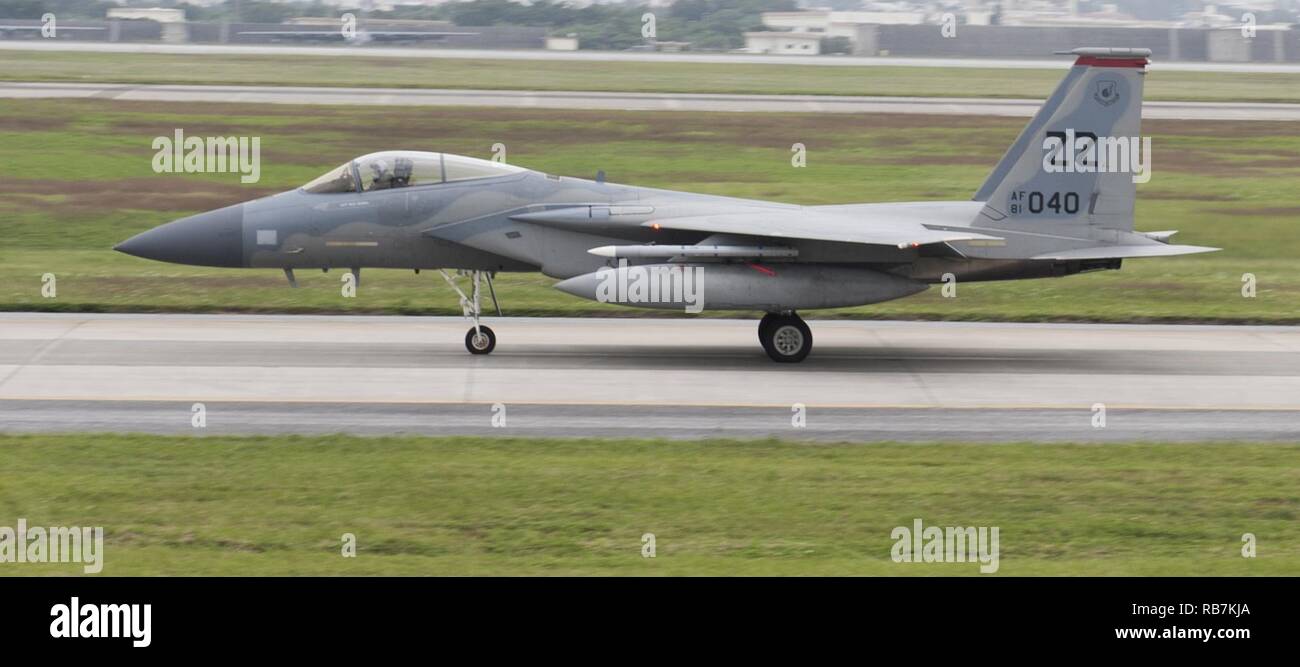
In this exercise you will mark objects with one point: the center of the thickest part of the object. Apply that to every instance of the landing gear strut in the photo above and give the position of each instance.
(785, 337)
(479, 339)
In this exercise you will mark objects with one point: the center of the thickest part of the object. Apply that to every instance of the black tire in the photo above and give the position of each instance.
(763, 324)
(787, 339)
(481, 348)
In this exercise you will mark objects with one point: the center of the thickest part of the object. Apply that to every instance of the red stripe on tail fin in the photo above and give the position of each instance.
(1094, 61)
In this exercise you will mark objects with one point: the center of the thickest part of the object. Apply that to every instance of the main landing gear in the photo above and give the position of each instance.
(479, 339)
(785, 337)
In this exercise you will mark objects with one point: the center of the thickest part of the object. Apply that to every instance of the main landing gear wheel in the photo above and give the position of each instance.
(785, 338)
(763, 324)
(481, 341)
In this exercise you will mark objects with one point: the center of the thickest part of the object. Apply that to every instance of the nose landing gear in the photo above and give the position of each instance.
(479, 339)
(785, 337)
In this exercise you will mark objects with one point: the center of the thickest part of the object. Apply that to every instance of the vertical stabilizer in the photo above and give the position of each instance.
(1077, 161)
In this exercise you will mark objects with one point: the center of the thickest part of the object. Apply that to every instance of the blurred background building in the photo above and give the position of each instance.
(1188, 30)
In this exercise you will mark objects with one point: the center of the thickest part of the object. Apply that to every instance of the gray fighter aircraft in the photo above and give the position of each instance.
(1059, 202)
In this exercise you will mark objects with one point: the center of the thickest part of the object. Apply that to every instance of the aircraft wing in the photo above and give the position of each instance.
(1123, 251)
(818, 226)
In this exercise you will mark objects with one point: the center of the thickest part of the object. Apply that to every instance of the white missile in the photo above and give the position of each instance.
(693, 251)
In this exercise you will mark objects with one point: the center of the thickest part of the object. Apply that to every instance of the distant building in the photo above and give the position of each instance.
(159, 14)
(837, 24)
(858, 27)
(784, 43)
(172, 20)
(563, 43)
(671, 47)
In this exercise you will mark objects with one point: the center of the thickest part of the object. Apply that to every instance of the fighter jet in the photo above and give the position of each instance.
(1059, 202)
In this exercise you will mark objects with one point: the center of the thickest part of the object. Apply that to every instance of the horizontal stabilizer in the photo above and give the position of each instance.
(1162, 237)
(1122, 251)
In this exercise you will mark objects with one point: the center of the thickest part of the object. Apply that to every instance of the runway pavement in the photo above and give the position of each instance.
(531, 99)
(647, 377)
(1045, 62)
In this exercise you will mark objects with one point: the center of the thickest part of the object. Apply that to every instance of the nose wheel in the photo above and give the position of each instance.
(785, 338)
(479, 339)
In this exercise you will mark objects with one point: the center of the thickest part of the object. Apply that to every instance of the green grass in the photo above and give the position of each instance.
(611, 76)
(75, 177)
(472, 506)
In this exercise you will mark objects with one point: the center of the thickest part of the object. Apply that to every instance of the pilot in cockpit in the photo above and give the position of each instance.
(382, 179)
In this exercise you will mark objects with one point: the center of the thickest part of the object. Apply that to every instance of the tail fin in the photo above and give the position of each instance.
(1074, 163)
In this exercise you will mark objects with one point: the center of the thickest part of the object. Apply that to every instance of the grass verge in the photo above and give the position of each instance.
(471, 506)
(666, 77)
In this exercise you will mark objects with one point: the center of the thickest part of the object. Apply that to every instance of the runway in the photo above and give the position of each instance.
(1046, 62)
(696, 102)
(865, 380)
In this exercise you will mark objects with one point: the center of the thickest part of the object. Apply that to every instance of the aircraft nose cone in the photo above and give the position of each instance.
(215, 238)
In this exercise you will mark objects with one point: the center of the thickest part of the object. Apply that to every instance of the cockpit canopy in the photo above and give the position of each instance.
(399, 169)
